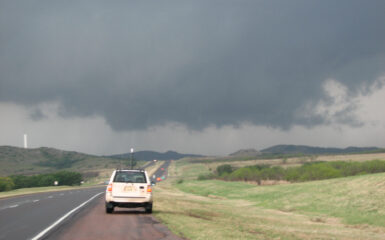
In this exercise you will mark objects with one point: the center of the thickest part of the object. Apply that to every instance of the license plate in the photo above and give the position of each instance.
(129, 188)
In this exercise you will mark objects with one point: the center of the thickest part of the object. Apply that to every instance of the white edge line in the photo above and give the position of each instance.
(42, 233)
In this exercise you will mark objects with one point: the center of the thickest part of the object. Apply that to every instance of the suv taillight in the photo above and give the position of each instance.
(149, 189)
(109, 187)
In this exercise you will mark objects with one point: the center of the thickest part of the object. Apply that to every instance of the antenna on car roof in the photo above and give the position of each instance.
(132, 158)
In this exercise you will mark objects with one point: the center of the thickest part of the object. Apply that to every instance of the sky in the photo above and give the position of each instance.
(204, 77)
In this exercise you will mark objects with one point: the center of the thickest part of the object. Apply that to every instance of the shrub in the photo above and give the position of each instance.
(226, 168)
(276, 173)
(68, 178)
(244, 174)
(42, 180)
(319, 172)
(374, 166)
(206, 176)
(6, 184)
(260, 166)
(292, 174)
(307, 172)
(180, 181)
(21, 181)
(45, 180)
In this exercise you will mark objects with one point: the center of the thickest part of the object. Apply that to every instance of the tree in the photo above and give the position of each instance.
(226, 168)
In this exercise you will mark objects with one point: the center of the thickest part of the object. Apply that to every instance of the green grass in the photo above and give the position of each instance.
(190, 171)
(356, 200)
(345, 208)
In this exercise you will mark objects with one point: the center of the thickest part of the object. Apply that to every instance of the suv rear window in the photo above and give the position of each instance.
(130, 177)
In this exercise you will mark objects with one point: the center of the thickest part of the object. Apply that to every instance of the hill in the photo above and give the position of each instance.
(15, 160)
(251, 152)
(301, 149)
(151, 155)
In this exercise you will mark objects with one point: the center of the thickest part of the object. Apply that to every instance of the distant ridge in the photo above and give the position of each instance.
(151, 155)
(16, 160)
(251, 152)
(295, 149)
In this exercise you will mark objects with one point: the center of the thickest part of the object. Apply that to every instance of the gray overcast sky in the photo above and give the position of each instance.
(198, 76)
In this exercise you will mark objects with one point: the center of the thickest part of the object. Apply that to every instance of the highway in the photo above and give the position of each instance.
(161, 173)
(24, 217)
(76, 214)
(123, 223)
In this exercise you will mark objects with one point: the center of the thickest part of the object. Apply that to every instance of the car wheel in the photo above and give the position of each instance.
(149, 208)
(109, 208)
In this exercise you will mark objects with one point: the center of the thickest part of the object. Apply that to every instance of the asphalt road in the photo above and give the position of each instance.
(76, 214)
(96, 224)
(24, 217)
(123, 223)
(161, 172)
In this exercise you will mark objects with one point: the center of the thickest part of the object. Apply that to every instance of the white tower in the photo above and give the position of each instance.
(25, 141)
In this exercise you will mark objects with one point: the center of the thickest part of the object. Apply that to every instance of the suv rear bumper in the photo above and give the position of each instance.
(128, 204)
(128, 200)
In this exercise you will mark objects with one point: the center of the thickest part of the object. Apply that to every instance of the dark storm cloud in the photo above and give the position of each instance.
(200, 63)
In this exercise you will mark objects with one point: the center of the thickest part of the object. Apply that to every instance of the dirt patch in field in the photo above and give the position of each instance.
(268, 182)
(195, 215)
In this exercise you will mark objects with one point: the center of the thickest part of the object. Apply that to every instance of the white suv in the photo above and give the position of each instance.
(130, 189)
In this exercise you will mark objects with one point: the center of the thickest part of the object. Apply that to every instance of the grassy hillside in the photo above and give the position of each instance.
(345, 208)
(295, 149)
(356, 200)
(14, 160)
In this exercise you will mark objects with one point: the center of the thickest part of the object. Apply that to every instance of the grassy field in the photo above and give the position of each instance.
(344, 208)
(211, 163)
